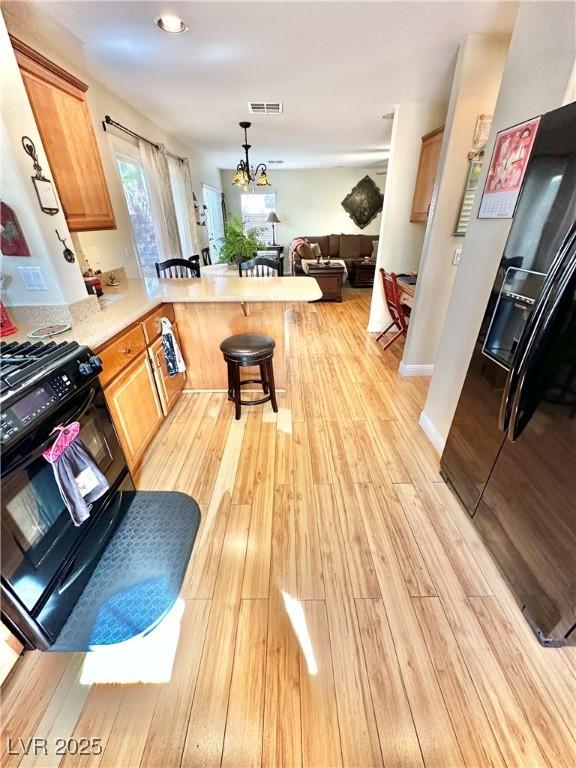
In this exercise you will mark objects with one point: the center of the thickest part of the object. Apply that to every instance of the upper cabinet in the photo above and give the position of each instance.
(427, 167)
(58, 100)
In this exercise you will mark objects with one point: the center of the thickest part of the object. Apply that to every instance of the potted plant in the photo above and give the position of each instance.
(239, 245)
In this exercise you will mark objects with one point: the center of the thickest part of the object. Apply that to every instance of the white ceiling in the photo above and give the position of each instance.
(336, 66)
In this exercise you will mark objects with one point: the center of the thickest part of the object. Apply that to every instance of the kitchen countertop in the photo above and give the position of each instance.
(127, 303)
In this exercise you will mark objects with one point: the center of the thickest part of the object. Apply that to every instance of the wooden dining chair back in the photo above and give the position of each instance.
(398, 311)
(206, 259)
(260, 266)
(178, 268)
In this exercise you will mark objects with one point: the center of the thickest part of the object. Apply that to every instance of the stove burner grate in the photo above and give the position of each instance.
(19, 361)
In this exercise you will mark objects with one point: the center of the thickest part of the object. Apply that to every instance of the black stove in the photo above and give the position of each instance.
(46, 559)
(35, 377)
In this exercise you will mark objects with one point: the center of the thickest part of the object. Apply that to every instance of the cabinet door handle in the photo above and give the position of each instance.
(127, 351)
(158, 363)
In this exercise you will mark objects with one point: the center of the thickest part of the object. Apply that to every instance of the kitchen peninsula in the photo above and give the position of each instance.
(125, 333)
(206, 310)
(212, 308)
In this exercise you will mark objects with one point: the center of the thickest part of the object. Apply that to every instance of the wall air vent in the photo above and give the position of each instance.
(275, 162)
(265, 107)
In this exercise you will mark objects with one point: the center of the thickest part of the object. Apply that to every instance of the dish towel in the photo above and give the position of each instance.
(174, 360)
(77, 475)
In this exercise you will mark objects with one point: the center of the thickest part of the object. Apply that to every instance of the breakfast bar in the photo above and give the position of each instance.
(125, 333)
(217, 306)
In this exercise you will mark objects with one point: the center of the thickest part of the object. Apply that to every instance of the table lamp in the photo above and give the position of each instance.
(273, 219)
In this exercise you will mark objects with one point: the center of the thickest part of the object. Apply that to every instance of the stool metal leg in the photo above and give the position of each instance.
(230, 380)
(270, 379)
(264, 377)
(237, 392)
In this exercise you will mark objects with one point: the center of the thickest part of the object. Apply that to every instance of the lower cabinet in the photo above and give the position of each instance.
(169, 387)
(138, 389)
(10, 649)
(135, 408)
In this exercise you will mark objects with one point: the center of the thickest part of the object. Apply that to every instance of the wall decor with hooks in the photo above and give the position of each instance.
(67, 253)
(43, 186)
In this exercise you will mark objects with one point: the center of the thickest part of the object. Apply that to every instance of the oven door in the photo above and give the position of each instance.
(38, 535)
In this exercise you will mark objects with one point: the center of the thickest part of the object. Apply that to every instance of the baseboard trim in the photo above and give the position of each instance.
(415, 370)
(432, 433)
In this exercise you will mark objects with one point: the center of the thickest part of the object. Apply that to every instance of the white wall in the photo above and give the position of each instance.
(309, 202)
(475, 87)
(538, 77)
(64, 280)
(400, 239)
(114, 248)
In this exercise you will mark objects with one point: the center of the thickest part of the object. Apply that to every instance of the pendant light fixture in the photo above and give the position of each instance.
(244, 174)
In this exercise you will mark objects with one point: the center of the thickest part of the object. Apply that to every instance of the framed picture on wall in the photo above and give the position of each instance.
(13, 242)
(507, 168)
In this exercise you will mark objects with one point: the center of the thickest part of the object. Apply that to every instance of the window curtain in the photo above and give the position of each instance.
(178, 184)
(197, 230)
(168, 207)
(148, 157)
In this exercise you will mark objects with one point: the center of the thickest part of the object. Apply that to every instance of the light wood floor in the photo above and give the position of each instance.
(340, 607)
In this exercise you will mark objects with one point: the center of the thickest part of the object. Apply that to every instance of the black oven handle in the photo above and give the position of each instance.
(74, 416)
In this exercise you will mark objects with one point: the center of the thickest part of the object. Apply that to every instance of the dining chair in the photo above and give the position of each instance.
(178, 268)
(398, 312)
(261, 266)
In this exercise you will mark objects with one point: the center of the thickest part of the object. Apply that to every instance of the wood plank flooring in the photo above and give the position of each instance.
(340, 608)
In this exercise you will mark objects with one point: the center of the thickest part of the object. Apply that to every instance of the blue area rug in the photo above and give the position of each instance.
(140, 574)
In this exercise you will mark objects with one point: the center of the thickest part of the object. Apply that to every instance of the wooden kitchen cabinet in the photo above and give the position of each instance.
(121, 352)
(427, 167)
(136, 384)
(135, 408)
(169, 387)
(58, 100)
(10, 650)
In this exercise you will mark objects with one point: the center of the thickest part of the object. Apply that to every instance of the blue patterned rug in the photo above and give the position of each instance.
(140, 574)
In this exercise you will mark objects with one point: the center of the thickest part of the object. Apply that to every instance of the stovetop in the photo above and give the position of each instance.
(20, 361)
(35, 378)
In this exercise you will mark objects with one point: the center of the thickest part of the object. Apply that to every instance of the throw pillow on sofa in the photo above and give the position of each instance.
(322, 242)
(303, 251)
(316, 252)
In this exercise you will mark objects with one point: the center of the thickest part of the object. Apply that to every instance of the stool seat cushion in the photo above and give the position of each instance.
(245, 345)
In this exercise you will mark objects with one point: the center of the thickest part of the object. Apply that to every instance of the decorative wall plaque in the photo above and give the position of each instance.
(364, 202)
(43, 186)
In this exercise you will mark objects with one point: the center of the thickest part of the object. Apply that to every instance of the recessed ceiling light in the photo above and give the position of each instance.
(170, 23)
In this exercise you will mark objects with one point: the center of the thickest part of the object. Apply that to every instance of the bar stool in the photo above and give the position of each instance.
(250, 349)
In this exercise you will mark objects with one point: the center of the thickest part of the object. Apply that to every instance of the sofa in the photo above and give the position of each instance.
(345, 247)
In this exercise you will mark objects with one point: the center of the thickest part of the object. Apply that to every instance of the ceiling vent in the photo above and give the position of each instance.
(275, 162)
(265, 107)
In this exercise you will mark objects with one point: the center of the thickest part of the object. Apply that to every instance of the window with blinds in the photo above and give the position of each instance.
(255, 210)
(214, 220)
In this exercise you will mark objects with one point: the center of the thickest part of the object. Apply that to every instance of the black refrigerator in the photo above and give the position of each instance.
(511, 451)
